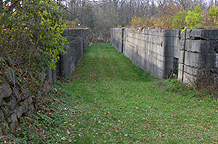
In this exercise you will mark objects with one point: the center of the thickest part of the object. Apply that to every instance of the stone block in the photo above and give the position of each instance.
(160, 74)
(189, 79)
(200, 46)
(192, 59)
(176, 52)
(161, 65)
(5, 110)
(190, 70)
(193, 46)
(181, 67)
(180, 44)
(6, 90)
(160, 57)
(181, 56)
(207, 46)
(13, 103)
(207, 59)
(180, 74)
(20, 110)
(202, 34)
(172, 32)
(209, 34)
(193, 33)
(13, 122)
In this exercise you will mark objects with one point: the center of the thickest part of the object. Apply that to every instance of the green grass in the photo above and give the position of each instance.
(109, 100)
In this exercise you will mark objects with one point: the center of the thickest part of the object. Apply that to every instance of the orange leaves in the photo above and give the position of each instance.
(6, 30)
(32, 87)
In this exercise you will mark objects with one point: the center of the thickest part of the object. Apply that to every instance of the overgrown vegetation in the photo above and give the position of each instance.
(109, 100)
(31, 40)
(176, 17)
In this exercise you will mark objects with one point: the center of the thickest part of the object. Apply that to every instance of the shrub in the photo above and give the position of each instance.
(174, 17)
(194, 18)
(213, 14)
(178, 21)
(31, 38)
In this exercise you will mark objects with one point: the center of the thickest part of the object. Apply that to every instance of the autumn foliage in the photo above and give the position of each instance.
(30, 38)
(176, 17)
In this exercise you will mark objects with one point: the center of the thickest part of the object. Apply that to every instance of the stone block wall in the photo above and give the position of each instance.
(146, 49)
(78, 43)
(199, 51)
(16, 100)
(152, 50)
(116, 38)
(164, 52)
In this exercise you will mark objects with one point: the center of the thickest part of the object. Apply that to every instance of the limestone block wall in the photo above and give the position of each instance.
(164, 52)
(200, 50)
(146, 49)
(152, 50)
(116, 38)
(78, 43)
(16, 100)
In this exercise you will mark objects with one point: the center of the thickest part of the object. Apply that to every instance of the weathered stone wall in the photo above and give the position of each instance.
(164, 52)
(200, 50)
(116, 38)
(16, 100)
(152, 50)
(78, 43)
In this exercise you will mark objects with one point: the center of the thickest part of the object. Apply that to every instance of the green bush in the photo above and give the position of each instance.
(194, 18)
(213, 14)
(178, 21)
(31, 38)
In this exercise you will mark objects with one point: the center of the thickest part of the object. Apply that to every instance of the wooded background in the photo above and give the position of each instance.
(101, 15)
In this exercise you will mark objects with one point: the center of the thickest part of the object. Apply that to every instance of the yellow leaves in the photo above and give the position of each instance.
(25, 80)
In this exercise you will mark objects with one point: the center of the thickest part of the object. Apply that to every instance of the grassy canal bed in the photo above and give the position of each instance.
(109, 100)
